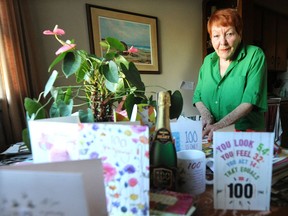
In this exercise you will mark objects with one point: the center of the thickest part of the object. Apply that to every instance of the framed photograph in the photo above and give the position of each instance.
(137, 30)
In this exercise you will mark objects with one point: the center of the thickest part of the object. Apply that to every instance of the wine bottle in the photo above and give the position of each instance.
(163, 158)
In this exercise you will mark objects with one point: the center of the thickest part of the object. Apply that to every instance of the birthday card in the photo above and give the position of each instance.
(243, 170)
(122, 148)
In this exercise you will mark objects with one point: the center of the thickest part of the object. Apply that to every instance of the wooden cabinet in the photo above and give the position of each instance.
(284, 123)
(275, 40)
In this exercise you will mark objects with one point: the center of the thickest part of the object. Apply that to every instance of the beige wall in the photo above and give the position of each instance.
(179, 31)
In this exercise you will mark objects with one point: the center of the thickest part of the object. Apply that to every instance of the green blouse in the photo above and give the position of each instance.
(245, 81)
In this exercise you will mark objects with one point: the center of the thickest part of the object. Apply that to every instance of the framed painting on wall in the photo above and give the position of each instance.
(137, 30)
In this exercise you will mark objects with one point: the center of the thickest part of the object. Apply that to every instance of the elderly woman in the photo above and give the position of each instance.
(232, 83)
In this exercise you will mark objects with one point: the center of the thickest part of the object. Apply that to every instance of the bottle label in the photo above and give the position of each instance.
(163, 178)
(163, 136)
(163, 161)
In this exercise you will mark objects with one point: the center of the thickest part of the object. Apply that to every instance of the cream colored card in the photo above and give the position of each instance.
(24, 192)
(92, 174)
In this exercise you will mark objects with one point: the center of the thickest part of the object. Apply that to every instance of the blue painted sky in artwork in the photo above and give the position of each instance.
(132, 33)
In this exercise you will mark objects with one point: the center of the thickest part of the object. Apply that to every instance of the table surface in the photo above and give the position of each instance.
(204, 207)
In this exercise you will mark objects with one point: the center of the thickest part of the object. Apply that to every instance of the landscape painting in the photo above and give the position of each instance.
(135, 30)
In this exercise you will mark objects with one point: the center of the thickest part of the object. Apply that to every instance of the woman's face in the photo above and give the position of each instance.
(225, 41)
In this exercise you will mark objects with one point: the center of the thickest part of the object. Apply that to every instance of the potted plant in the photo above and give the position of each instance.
(102, 84)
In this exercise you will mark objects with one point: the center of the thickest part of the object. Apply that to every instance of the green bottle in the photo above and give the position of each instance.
(163, 157)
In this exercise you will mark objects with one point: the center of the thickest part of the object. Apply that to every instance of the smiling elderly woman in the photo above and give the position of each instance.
(232, 83)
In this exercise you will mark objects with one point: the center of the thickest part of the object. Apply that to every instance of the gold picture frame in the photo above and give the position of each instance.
(137, 30)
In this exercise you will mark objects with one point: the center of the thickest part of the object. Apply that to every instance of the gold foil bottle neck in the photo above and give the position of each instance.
(164, 98)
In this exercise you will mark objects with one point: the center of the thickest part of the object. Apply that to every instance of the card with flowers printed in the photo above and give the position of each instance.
(122, 148)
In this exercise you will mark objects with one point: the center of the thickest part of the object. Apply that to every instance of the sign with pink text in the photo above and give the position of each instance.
(243, 170)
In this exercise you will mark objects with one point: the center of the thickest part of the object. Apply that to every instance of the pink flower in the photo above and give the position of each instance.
(56, 31)
(144, 139)
(109, 172)
(147, 154)
(138, 129)
(44, 143)
(59, 155)
(132, 50)
(133, 182)
(65, 48)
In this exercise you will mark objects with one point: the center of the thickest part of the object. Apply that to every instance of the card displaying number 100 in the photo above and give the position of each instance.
(243, 162)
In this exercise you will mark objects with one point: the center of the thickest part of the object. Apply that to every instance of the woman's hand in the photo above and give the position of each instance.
(206, 117)
(207, 120)
(240, 111)
(208, 130)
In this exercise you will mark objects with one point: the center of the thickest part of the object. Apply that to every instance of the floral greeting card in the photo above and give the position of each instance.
(122, 148)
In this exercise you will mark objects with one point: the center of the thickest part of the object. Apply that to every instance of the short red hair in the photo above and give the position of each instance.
(225, 17)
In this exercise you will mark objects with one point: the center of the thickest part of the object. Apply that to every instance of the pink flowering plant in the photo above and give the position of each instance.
(104, 81)
(103, 84)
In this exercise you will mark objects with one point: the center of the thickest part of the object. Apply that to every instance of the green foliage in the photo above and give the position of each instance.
(26, 138)
(71, 64)
(176, 104)
(113, 76)
(34, 109)
(110, 79)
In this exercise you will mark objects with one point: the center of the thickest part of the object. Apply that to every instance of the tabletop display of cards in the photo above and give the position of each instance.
(172, 203)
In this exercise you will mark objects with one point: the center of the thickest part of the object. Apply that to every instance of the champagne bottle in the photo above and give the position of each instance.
(163, 158)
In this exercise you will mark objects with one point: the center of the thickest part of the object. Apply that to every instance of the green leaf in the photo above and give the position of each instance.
(112, 74)
(117, 88)
(151, 101)
(56, 61)
(71, 63)
(109, 56)
(104, 44)
(26, 138)
(81, 73)
(86, 116)
(133, 76)
(120, 59)
(176, 104)
(32, 107)
(115, 44)
(68, 95)
(60, 108)
(129, 103)
(54, 92)
(58, 93)
(111, 86)
(85, 67)
(50, 82)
